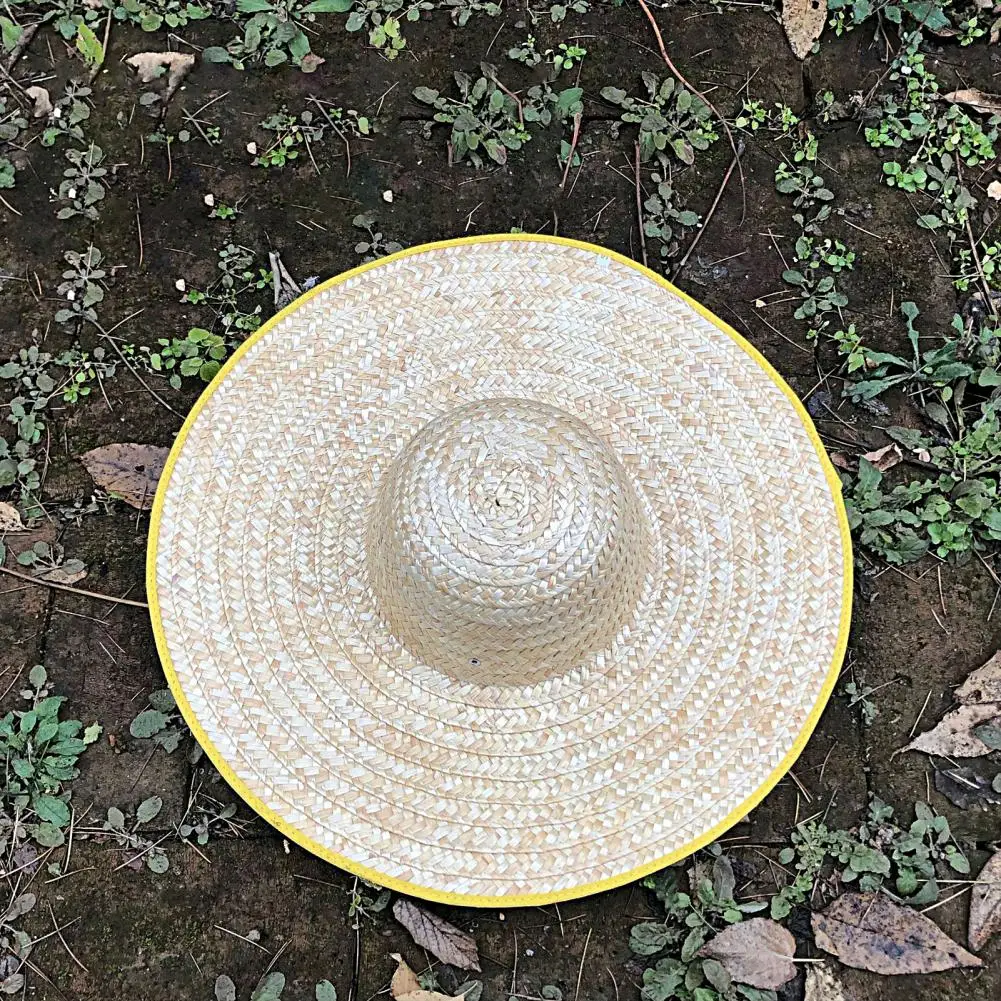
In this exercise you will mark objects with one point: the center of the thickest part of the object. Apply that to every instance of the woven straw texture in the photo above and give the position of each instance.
(500, 571)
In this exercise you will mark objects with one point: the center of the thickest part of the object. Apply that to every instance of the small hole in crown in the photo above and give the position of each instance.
(475, 661)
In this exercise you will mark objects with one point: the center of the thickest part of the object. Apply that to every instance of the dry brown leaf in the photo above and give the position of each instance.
(983, 684)
(151, 65)
(404, 979)
(953, 737)
(966, 788)
(450, 944)
(985, 904)
(68, 573)
(10, 519)
(43, 103)
(128, 471)
(886, 457)
(757, 952)
(803, 21)
(987, 104)
(406, 987)
(822, 985)
(994, 190)
(870, 932)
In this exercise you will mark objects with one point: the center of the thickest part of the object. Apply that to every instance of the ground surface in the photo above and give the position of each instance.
(141, 935)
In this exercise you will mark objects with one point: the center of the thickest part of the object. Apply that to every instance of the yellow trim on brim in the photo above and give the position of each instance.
(518, 899)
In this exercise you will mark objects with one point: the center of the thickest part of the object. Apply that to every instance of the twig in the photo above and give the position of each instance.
(7, 205)
(639, 206)
(924, 706)
(356, 966)
(514, 97)
(705, 223)
(135, 858)
(243, 938)
(139, 230)
(73, 590)
(142, 382)
(702, 97)
(580, 971)
(25, 40)
(59, 931)
(573, 148)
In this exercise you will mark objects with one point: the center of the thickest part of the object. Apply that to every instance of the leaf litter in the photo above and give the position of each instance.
(443, 940)
(406, 986)
(985, 904)
(10, 518)
(968, 789)
(128, 471)
(803, 21)
(870, 932)
(757, 952)
(149, 66)
(968, 730)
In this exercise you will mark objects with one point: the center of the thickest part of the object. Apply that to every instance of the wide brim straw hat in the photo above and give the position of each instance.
(500, 571)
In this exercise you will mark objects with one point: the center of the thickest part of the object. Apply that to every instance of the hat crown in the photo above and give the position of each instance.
(506, 543)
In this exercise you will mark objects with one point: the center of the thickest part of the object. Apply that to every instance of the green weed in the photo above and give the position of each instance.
(41, 752)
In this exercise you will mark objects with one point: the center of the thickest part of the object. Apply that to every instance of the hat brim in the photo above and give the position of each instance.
(712, 723)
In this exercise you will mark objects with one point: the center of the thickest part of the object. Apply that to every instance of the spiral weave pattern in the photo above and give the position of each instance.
(496, 571)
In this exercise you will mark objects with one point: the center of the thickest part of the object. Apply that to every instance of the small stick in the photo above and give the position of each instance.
(55, 924)
(243, 938)
(573, 147)
(514, 97)
(7, 205)
(639, 207)
(580, 971)
(705, 223)
(139, 230)
(705, 100)
(142, 382)
(148, 848)
(73, 590)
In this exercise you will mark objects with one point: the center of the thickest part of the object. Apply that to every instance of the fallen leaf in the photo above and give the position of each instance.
(757, 952)
(842, 461)
(995, 32)
(966, 789)
(870, 932)
(988, 104)
(151, 65)
(406, 987)
(822, 985)
(886, 457)
(994, 190)
(953, 737)
(985, 904)
(10, 518)
(441, 939)
(983, 684)
(66, 573)
(43, 103)
(127, 471)
(803, 21)
(404, 979)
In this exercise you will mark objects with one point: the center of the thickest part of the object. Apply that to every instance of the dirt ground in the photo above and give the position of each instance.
(134, 934)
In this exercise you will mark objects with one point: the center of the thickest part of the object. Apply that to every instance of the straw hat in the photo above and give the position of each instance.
(499, 570)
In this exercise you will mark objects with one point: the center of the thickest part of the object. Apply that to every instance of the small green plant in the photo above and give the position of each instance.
(485, 119)
(200, 353)
(151, 15)
(367, 900)
(294, 132)
(859, 695)
(670, 117)
(206, 818)
(160, 722)
(227, 297)
(80, 286)
(82, 184)
(127, 835)
(692, 917)
(48, 562)
(566, 57)
(663, 220)
(68, 114)
(41, 752)
(275, 33)
(12, 123)
(879, 855)
(270, 988)
(526, 52)
(376, 245)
